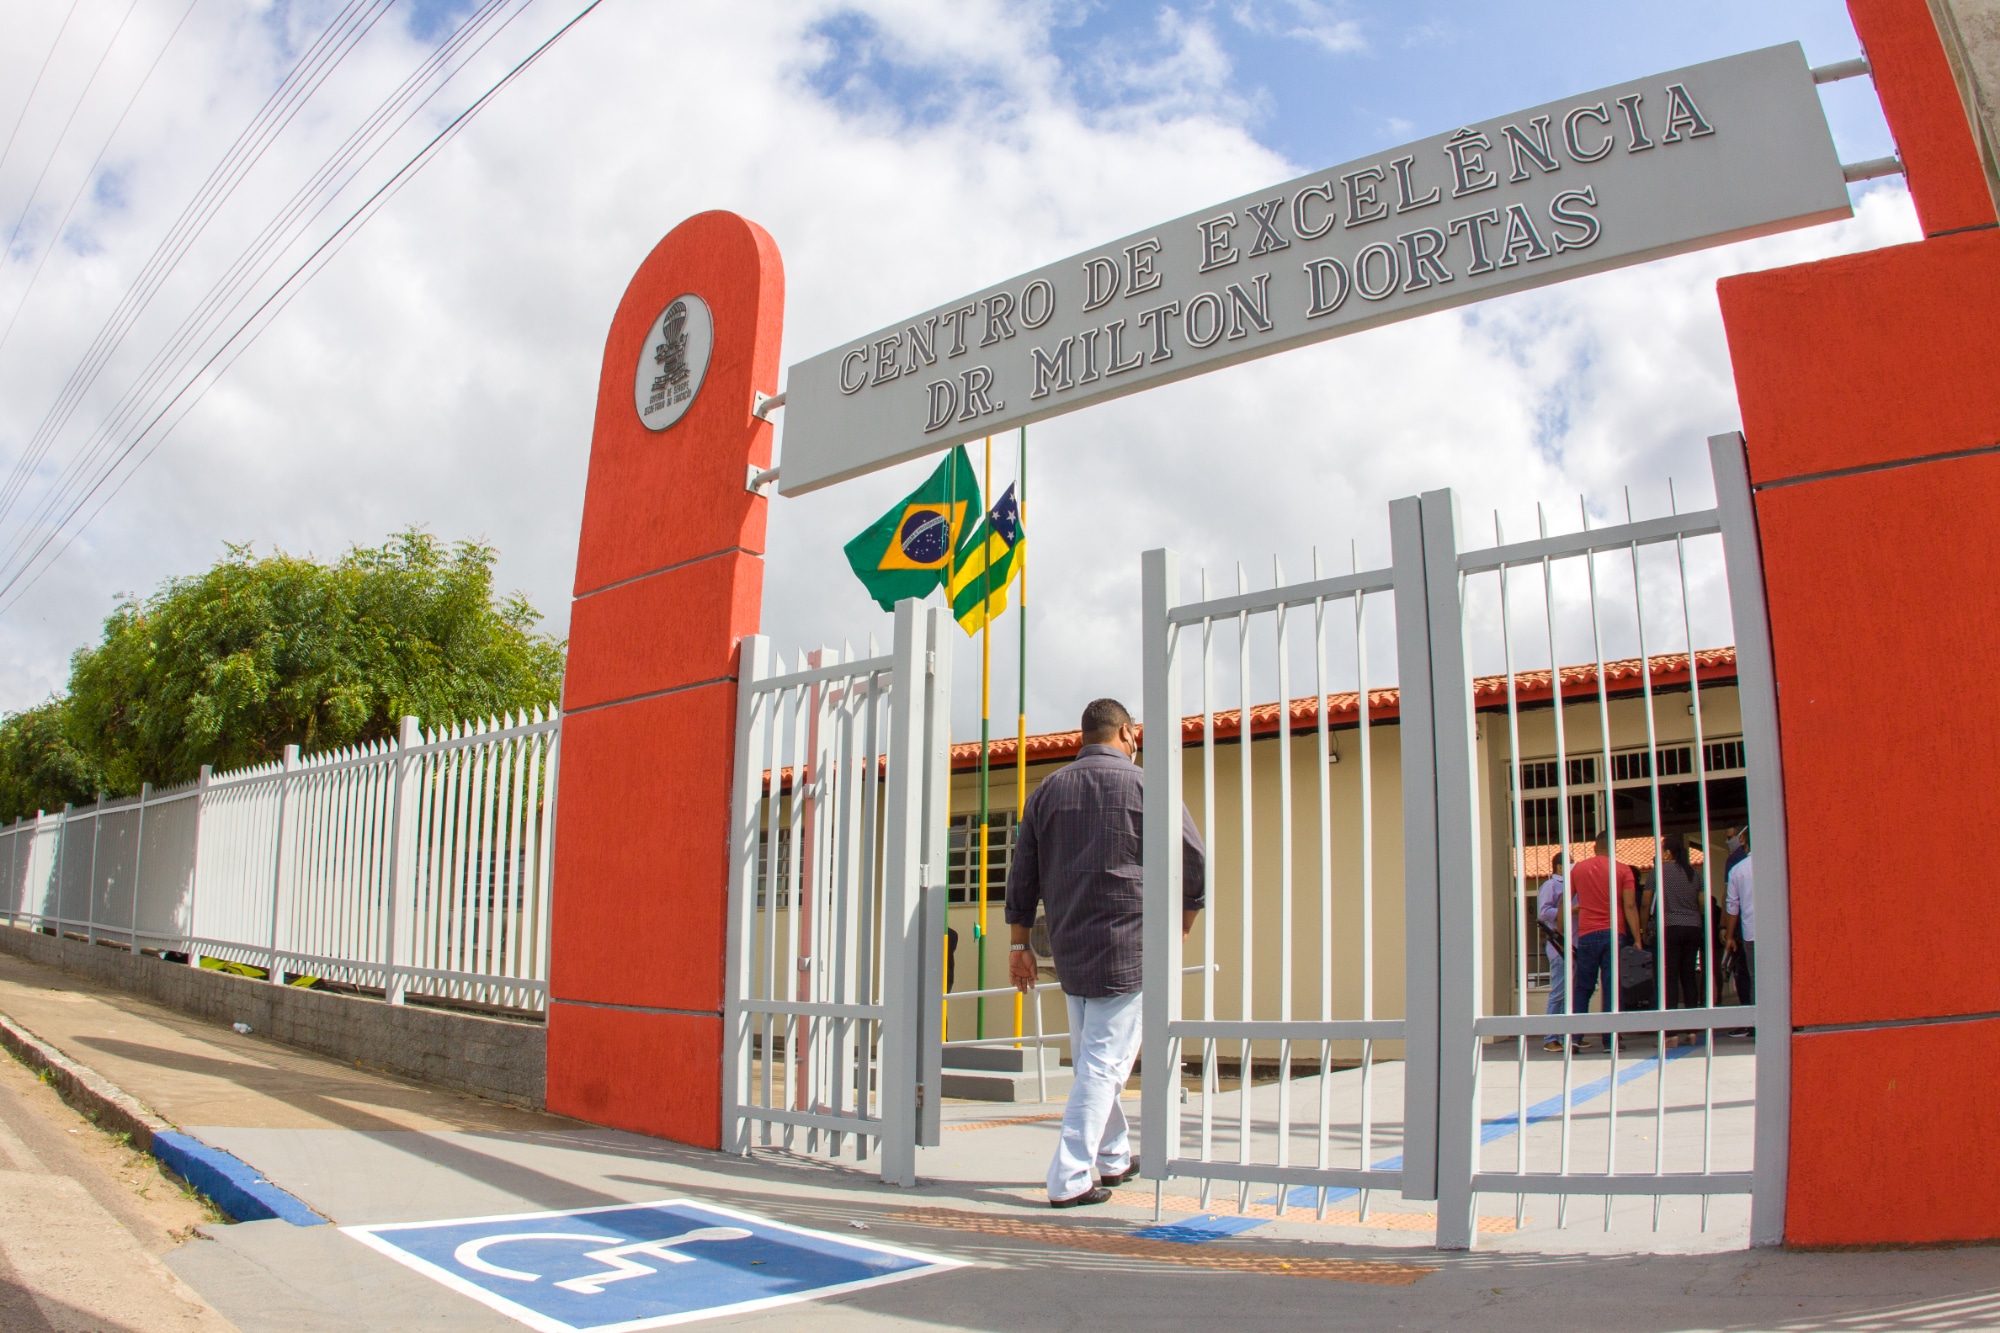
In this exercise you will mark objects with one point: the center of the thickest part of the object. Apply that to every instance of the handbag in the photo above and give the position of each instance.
(1635, 966)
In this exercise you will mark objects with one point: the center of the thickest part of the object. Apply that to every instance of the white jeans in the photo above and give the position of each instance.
(1104, 1041)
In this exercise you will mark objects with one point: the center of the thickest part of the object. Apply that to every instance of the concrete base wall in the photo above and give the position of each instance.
(490, 1057)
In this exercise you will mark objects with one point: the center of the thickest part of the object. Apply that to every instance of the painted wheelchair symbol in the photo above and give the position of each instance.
(617, 1259)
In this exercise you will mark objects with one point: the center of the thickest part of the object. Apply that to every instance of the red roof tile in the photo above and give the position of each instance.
(1715, 666)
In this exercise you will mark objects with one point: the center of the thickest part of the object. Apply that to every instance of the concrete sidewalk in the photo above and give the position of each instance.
(363, 1148)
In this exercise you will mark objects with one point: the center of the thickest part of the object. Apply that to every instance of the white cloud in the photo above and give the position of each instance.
(1312, 21)
(443, 370)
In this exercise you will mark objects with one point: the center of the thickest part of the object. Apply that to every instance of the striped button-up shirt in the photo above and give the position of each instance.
(1078, 854)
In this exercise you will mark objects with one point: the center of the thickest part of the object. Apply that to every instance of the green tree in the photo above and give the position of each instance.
(40, 768)
(230, 666)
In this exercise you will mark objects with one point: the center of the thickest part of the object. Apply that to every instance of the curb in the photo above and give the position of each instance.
(233, 1185)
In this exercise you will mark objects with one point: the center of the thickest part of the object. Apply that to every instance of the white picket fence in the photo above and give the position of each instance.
(414, 867)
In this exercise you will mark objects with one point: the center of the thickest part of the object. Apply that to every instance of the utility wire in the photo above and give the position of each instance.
(37, 87)
(194, 329)
(305, 77)
(22, 579)
(56, 236)
(81, 98)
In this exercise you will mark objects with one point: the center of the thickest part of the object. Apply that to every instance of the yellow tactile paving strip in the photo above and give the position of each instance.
(1335, 1217)
(1214, 1257)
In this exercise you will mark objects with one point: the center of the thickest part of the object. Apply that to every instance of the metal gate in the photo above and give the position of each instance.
(839, 814)
(1367, 1099)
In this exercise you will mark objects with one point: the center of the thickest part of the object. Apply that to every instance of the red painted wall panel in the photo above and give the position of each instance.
(1882, 594)
(643, 851)
(1879, 585)
(1868, 358)
(598, 1059)
(633, 639)
(1892, 1136)
(1920, 99)
(669, 578)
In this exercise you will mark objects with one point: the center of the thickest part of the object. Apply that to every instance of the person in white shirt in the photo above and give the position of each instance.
(1739, 926)
(1548, 910)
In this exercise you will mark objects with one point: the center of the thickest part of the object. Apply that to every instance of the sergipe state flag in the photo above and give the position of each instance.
(1000, 546)
(906, 552)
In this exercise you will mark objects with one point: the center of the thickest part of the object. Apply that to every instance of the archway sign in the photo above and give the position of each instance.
(1712, 153)
(669, 563)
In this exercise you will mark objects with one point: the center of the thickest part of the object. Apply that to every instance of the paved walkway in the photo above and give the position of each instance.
(371, 1150)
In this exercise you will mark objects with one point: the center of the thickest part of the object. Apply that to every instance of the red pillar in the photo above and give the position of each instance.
(669, 576)
(1870, 389)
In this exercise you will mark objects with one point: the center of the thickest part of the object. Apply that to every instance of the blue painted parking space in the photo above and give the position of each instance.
(638, 1266)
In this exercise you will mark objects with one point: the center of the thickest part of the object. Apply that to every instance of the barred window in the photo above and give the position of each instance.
(1542, 773)
(964, 881)
(784, 872)
(1724, 756)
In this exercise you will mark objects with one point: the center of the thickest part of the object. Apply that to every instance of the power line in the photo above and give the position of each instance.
(90, 175)
(21, 580)
(187, 338)
(37, 87)
(81, 98)
(305, 77)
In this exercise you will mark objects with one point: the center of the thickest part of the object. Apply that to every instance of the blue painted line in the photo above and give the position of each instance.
(1199, 1229)
(1500, 1127)
(237, 1188)
(1490, 1131)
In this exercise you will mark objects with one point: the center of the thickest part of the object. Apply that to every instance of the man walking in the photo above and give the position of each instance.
(1077, 853)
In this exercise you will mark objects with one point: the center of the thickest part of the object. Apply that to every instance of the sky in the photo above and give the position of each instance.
(440, 368)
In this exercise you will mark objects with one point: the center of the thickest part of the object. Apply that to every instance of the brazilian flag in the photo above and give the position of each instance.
(908, 551)
(990, 561)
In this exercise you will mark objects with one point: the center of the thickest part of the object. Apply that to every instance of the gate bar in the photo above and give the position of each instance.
(1420, 852)
(1757, 693)
(1459, 970)
(902, 915)
(1160, 1121)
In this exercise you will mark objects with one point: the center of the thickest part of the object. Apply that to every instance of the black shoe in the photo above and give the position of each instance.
(1131, 1172)
(1098, 1194)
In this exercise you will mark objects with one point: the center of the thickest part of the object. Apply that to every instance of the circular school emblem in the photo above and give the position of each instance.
(672, 361)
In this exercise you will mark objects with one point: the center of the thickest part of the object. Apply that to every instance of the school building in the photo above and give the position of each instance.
(1518, 839)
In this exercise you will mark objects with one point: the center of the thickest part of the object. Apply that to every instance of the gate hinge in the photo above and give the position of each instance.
(930, 663)
(920, 1096)
(924, 875)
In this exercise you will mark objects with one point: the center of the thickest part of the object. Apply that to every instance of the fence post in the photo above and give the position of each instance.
(139, 865)
(194, 878)
(276, 974)
(14, 874)
(940, 634)
(402, 913)
(753, 665)
(1757, 689)
(1459, 967)
(62, 854)
(90, 897)
(1420, 852)
(904, 923)
(1160, 857)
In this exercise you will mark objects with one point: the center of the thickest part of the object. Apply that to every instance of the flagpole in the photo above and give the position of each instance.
(985, 738)
(1021, 678)
(950, 551)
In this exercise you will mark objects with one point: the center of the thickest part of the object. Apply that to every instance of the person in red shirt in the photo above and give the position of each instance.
(1590, 892)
